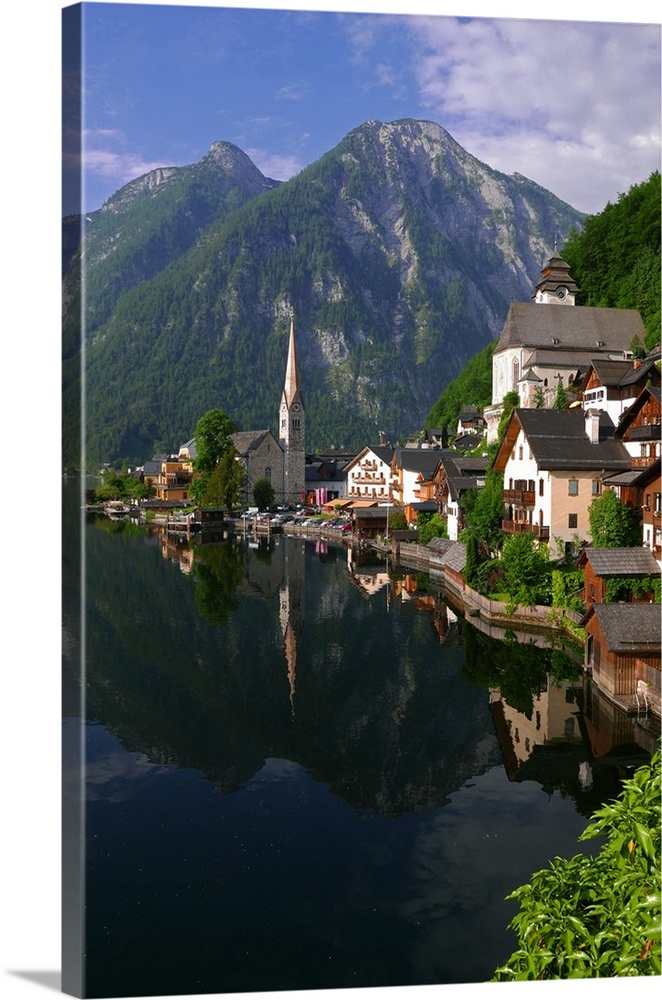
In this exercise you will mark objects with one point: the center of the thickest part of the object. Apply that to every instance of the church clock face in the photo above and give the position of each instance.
(561, 293)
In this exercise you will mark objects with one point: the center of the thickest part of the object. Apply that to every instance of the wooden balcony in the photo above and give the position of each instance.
(523, 527)
(519, 498)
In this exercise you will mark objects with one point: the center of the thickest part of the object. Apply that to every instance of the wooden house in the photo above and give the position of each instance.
(622, 653)
(640, 427)
(604, 568)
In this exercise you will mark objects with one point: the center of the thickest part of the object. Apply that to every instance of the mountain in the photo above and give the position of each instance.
(397, 252)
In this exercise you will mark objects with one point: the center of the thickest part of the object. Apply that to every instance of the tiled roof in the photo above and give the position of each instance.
(245, 441)
(558, 439)
(575, 328)
(633, 628)
(622, 562)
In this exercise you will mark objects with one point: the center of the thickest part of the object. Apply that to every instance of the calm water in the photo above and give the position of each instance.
(299, 777)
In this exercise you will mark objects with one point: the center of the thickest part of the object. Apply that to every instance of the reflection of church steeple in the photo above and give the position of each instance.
(292, 608)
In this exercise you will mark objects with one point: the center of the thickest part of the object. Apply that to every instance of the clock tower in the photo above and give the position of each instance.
(556, 286)
(292, 430)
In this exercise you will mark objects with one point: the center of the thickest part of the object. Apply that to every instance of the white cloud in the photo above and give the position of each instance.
(278, 166)
(574, 106)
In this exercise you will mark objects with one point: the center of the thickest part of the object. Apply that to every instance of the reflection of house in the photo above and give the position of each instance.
(606, 568)
(369, 474)
(622, 649)
(553, 720)
(553, 464)
(551, 338)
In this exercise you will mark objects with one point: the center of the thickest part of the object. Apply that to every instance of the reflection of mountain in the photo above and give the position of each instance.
(384, 715)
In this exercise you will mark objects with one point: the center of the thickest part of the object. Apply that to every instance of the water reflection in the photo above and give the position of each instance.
(387, 716)
(312, 766)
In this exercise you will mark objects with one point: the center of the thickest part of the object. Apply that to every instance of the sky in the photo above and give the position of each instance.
(590, 139)
(573, 105)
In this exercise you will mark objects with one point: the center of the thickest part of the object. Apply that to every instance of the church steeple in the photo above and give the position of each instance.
(291, 374)
(292, 424)
(556, 285)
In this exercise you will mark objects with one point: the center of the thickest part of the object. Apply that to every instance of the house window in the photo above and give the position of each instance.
(658, 502)
(572, 520)
(595, 488)
(521, 452)
(541, 488)
(515, 373)
(573, 487)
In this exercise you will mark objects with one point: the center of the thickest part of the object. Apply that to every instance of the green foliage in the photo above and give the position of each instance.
(635, 588)
(510, 402)
(597, 917)
(567, 589)
(397, 521)
(263, 494)
(483, 511)
(472, 560)
(559, 398)
(212, 439)
(615, 260)
(472, 385)
(613, 525)
(432, 526)
(527, 571)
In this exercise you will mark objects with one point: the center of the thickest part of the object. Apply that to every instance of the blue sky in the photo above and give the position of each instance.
(573, 105)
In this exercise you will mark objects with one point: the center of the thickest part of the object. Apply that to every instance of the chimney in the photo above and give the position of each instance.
(592, 425)
(636, 364)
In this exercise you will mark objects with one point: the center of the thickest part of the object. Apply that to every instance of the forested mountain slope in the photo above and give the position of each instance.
(397, 252)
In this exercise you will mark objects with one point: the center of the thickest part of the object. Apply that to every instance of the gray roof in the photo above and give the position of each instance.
(622, 562)
(423, 460)
(245, 441)
(576, 328)
(629, 628)
(558, 440)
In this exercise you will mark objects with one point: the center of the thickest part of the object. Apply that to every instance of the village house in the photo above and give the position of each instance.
(170, 476)
(369, 474)
(552, 338)
(553, 463)
(622, 653)
(326, 479)
(614, 385)
(622, 568)
(453, 477)
(410, 468)
(640, 427)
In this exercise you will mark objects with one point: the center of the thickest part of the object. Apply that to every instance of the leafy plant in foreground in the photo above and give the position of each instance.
(597, 917)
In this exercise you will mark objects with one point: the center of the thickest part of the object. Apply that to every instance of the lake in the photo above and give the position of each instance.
(305, 772)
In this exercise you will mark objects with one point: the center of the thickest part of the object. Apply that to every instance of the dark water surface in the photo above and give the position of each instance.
(300, 777)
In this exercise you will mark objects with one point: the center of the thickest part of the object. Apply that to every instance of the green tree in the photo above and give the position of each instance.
(527, 571)
(472, 560)
(212, 439)
(612, 524)
(591, 917)
(223, 486)
(560, 402)
(483, 513)
(263, 494)
(430, 527)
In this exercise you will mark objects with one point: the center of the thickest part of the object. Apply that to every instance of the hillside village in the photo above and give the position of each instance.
(584, 419)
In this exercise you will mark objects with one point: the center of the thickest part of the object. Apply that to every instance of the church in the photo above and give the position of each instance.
(552, 339)
(282, 462)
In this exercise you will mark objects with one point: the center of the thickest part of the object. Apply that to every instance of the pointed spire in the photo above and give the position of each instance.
(291, 374)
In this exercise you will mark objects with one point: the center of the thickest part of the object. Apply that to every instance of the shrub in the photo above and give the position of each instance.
(597, 917)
